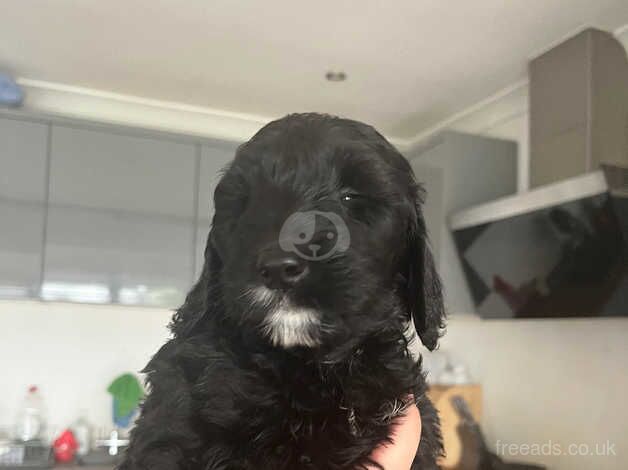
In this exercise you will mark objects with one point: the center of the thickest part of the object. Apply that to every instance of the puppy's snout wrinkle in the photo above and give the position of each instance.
(281, 271)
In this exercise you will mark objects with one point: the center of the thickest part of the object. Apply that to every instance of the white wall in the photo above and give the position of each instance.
(72, 352)
(558, 381)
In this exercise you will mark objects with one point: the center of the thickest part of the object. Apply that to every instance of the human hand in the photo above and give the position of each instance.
(406, 434)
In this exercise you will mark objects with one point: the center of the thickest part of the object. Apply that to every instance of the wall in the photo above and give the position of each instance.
(72, 352)
(558, 381)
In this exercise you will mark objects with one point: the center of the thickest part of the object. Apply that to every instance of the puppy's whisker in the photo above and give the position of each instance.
(259, 295)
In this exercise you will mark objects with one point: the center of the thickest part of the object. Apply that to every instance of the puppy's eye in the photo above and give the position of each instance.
(360, 207)
(350, 197)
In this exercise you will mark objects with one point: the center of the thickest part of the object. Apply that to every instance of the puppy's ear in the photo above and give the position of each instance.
(425, 297)
(202, 299)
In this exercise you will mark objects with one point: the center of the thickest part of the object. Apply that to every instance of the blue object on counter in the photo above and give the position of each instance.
(122, 421)
(10, 92)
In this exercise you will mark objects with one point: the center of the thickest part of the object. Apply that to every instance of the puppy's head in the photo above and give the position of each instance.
(318, 238)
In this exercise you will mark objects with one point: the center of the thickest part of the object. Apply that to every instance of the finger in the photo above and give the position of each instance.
(405, 434)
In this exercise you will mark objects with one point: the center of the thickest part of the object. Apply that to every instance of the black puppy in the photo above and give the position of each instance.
(289, 352)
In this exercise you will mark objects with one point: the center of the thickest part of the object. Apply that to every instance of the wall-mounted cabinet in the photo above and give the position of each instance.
(103, 215)
(23, 169)
(213, 161)
(459, 170)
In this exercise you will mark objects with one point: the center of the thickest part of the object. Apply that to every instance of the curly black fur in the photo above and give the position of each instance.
(222, 395)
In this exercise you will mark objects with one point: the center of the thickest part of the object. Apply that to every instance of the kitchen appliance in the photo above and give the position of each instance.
(557, 251)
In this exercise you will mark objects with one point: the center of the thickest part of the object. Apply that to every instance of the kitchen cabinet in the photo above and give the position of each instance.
(214, 159)
(23, 160)
(121, 218)
(103, 214)
(459, 170)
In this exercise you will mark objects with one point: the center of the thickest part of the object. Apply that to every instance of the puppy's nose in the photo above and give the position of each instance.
(282, 271)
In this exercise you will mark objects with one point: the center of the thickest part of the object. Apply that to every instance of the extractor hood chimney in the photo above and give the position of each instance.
(578, 108)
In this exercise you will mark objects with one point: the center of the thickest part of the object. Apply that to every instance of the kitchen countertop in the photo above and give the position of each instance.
(64, 467)
(80, 467)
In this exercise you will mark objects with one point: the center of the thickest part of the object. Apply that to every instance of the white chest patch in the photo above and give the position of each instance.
(292, 326)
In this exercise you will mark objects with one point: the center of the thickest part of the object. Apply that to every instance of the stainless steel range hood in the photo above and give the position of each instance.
(610, 179)
(560, 250)
(578, 122)
(572, 189)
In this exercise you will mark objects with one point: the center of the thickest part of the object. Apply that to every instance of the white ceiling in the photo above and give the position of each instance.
(410, 63)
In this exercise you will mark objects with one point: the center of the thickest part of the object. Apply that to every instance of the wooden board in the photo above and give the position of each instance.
(441, 396)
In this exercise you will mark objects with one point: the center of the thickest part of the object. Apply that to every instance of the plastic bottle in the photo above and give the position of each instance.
(83, 433)
(31, 420)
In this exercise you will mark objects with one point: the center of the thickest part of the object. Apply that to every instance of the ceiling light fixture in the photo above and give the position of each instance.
(336, 76)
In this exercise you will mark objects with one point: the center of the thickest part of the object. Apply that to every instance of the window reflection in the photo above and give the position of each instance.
(75, 292)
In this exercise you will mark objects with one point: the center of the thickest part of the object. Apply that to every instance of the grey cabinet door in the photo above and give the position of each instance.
(214, 158)
(431, 179)
(22, 206)
(121, 219)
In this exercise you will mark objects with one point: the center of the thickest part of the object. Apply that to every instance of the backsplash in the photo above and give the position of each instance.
(73, 352)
